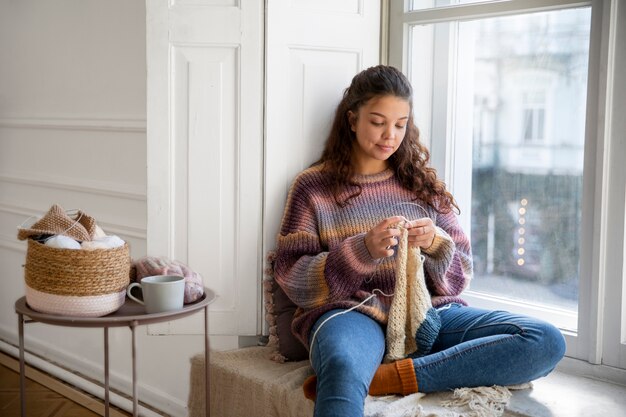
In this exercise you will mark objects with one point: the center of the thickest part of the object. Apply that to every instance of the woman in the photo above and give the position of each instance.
(336, 260)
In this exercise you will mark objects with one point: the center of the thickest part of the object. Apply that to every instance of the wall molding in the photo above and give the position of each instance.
(123, 230)
(11, 242)
(60, 122)
(72, 184)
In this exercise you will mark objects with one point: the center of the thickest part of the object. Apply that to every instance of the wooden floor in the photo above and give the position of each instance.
(42, 401)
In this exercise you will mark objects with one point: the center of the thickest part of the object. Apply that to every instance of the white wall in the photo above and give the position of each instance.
(73, 132)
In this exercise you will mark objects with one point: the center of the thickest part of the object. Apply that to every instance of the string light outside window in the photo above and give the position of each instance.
(521, 231)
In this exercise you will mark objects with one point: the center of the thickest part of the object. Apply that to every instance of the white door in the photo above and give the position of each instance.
(205, 147)
(314, 48)
(205, 129)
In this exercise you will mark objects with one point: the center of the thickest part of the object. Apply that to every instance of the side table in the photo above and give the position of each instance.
(131, 314)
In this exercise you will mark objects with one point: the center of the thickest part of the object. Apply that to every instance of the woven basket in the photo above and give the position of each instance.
(73, 282)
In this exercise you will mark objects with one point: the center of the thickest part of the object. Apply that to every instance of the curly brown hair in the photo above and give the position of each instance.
(409, 162)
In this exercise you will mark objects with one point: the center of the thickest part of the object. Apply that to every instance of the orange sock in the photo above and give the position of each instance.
(310, 387)
(394, 378)
(390, 378)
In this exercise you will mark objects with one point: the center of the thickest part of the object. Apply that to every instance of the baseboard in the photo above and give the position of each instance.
(53, 384)
(88, 376)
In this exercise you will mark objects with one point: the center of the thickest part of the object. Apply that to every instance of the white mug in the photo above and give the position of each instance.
(160, 292)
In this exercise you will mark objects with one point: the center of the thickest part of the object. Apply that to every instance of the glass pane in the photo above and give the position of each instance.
(515, 89)
(528, 124)
(540, 116)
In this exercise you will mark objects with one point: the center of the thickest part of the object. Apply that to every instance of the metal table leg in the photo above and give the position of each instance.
(207, 369)
(124, 317)
(133, 325)
(106, 372)
(20, 320)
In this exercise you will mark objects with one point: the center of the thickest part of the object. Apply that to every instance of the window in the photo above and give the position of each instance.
(533, 124)
(533, 118)
(509, 99)
(526, 200)
(508, 73)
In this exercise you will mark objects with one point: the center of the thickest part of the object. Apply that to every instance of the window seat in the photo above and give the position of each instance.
(246, 383)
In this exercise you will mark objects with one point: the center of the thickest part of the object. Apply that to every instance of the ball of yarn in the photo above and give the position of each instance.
(62, 242)
(98, 233)
(106, 242)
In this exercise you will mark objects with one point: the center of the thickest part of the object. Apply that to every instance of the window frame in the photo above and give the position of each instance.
(600, 243)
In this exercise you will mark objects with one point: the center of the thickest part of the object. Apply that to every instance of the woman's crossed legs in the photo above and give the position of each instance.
(475, 347)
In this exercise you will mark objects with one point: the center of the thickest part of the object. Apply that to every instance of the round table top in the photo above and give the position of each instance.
(131, 312)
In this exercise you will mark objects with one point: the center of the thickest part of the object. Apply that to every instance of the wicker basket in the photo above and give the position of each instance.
(71, 282)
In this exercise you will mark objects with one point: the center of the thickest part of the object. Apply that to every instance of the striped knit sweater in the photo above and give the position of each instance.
(322, 262)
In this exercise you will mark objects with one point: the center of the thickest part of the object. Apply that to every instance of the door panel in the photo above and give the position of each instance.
(205, 150)
(314, 48)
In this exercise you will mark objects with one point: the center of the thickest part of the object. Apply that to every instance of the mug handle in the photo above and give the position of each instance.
(132, 297)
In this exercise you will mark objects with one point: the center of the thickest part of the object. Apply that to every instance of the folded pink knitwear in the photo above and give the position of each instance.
(153, 265)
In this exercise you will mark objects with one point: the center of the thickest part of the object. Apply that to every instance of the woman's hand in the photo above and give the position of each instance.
(383, 237)
(421, 232)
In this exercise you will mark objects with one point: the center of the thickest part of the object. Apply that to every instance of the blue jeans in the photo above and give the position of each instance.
(475, 347)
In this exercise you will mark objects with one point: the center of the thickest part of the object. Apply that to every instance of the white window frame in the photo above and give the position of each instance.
(601, 329)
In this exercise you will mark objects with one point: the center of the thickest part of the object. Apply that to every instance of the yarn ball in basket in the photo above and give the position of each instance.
(62, 242)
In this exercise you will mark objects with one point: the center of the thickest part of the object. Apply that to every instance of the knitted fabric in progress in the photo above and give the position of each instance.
(413, 323)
